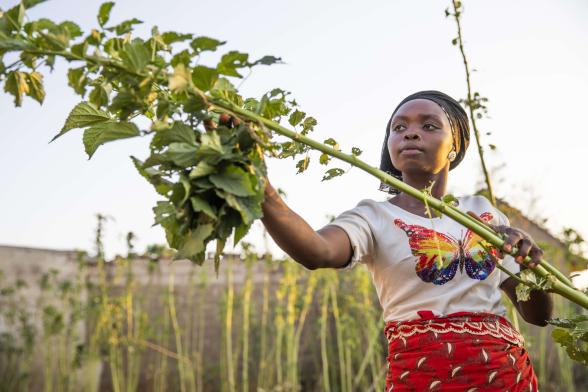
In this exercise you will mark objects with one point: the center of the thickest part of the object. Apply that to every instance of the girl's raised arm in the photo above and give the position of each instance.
(328, 247)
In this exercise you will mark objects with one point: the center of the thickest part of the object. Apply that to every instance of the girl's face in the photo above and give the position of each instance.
(420, 137)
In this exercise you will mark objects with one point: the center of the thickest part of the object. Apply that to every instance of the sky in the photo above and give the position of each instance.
(348, 64)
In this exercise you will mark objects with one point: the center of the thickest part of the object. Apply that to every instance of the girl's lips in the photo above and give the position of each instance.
(411, 151)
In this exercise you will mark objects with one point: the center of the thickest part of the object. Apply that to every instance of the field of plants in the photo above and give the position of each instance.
(145, 322)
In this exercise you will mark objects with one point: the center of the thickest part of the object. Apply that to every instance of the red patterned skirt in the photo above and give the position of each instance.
(470, 352)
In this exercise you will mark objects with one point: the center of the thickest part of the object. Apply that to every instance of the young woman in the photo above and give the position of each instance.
(436, 281)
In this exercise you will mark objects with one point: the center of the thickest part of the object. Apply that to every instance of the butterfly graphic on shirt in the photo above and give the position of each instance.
(440, 255)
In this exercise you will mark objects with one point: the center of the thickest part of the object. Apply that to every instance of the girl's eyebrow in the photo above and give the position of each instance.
(420, 116)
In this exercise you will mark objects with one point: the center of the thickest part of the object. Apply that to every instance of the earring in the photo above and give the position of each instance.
(452, 155)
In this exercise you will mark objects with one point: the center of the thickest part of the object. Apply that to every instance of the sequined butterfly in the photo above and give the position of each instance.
(439, 255)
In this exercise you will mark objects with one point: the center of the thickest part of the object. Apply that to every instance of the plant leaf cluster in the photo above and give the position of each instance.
(211, 177)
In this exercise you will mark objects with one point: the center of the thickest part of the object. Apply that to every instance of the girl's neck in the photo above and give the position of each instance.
(421, 182)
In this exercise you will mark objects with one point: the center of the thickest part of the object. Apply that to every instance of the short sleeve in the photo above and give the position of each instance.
(508, 261)
(356, 223)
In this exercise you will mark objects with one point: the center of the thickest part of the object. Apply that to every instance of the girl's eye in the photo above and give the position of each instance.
(397, 127)
(430, 127)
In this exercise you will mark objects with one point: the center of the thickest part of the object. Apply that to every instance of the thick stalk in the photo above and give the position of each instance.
(459, 216)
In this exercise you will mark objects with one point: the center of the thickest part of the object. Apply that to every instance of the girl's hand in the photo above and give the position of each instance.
(519, 238)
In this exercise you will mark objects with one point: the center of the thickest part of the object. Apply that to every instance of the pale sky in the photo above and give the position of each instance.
(348, 63)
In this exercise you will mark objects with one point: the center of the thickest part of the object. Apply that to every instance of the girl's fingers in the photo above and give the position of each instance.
(513, 237)
(536, 255)
(524, 249)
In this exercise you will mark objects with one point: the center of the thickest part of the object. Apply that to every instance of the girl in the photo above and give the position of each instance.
(436, 281)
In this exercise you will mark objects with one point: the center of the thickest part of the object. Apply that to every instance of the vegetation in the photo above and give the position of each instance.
(211, 178)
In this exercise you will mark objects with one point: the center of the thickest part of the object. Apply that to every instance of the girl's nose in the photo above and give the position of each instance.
(410, 135)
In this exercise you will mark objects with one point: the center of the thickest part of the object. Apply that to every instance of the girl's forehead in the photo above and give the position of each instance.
(420, 108)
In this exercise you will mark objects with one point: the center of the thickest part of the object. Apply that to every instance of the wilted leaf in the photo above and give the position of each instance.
(36, 90)
(332, 173)
(180, 79)
(302, 164)
(16, 84)
(296, 117)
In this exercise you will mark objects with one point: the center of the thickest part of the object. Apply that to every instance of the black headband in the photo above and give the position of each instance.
(458, 121)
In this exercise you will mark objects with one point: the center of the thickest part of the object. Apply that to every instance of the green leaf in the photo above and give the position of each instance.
(99, 134)
(99, 96)
(182, 154)
(16, 84)
(231, 61)
(202, 169)
(178, 133)
(332, 142)
(82, 115)
(450, 199)
(135, 55)
(171, 37)
(12, 19)
(36, 90)
(248, 207)
(154, 176)
(204, 78)
(356, 151)
(72, 28)
(202, 44)
(104, 13)
(210, 145)
(194, 242)
(324, 159)
(267, 60)
(124, 27)
(308, 125)
(201, 205)
(77, 79)
(220, 246)
(240, 232)
(332, 173)
(233, 180)
(296, 117)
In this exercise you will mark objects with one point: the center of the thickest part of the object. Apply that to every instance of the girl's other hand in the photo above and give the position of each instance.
(519, 238)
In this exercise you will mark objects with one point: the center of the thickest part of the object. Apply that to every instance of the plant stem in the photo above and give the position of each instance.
(470, 103)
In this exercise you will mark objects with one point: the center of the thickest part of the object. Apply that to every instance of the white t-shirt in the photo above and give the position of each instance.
(415, 261)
